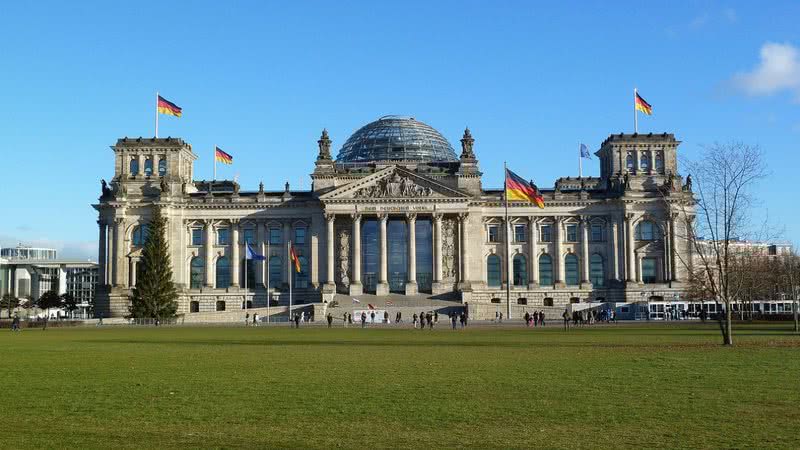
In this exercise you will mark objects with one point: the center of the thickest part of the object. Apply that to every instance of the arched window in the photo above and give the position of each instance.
(520, 270)
(629, 163)
(251, 273)
(134, 166)
(196, 272)
(596, 272)
(148, 166)
(646, 231)
(659, 162)
(545, 270)
(301, 278)
(644, 161)
(571, 269)
(223, 272)
(493, 271)
(162, 167)
(140, 235)
(275, 272)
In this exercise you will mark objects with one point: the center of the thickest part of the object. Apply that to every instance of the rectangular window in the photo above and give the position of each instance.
(648, 270)
(572, 233)
(519, 233)
(223, 236)
(197, 236)
(249, 236)
(597, 233)
(546, 233)
(274, 236)
(494, 233)
(300, 236)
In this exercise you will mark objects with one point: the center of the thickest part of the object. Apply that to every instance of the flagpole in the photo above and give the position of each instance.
(635, 116)
(245, 278)
(156, 114)
(262, 268)
(508, 244)
(289, 268)
(215, 162)
(580, 161)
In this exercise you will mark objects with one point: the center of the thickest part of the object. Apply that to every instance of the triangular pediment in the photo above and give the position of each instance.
(394, 183)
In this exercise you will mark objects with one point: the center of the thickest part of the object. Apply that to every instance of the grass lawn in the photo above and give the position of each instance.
(635, 386)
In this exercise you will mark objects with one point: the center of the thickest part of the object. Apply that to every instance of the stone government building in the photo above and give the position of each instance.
(398, 211)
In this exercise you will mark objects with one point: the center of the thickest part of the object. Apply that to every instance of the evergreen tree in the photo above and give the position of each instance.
(49, 299)
(155, 295)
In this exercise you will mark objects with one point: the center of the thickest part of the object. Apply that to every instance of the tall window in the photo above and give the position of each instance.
(629, 163)
(572, 233)
(571, 269)
(659, 162)
(646, 231)
(249, 236)
(134, 166)
(223, 273)
(301, 278)
(140, 235)
(274, 236)
(493, 271)
(546, 233)
(644, 161)
(197, 236)
(223, 236)
(597, 232)
(196, 272)
(148, 166)
(275, 272)
(519, 233)
(300, 236)
(596, 272)
(162, 167)
(493, 233)
(648, 270)
(545, 270)
(520, 270)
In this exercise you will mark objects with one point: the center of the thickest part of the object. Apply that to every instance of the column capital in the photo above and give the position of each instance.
(330, 217)
(234, 221)
(411, 217)
(355, 216)
(383, 217)
(629, 217)
(584, 218)
(119, 220)
(463, 217)
(438, 217)
(533, 220)
(101, 222)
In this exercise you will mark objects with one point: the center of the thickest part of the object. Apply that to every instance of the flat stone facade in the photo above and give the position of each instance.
(408, 227)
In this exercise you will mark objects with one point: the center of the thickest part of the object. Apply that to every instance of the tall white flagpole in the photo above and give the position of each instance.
(156, 113)
(635, 116)
(289, 260)
(268, 296)
(245, 277)
(580, 161)
(215, 161)
(508, 243)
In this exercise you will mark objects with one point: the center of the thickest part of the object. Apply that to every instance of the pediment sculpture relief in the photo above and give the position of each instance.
(393, 186)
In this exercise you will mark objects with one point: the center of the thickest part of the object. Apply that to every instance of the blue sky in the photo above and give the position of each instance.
(261, 80)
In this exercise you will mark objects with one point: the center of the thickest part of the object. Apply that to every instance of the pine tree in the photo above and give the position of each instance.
(155, 295)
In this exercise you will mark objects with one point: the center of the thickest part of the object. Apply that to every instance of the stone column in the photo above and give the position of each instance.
(437, 252)
(140, 160)
(330, 282)
(630, 266)
(119, 252)
(558, 265)
(356, 288)
(209, 249)
(673, 252)
(585, 251)
(382, 287)
(465, 277)
(287, 236)
(614, 251)
(411, 285)
(101, 255)
(533, 254)
(259, 247)
(134, 267)
(234, 246)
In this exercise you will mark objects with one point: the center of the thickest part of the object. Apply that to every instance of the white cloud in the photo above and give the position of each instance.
(778, 70)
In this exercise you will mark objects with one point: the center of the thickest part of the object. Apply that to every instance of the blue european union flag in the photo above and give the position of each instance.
(253, 255)
(585, 152)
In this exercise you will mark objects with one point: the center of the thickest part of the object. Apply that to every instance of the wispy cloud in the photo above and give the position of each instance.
(777, 71)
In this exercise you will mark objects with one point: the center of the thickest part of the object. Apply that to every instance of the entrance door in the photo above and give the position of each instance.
(397, 231)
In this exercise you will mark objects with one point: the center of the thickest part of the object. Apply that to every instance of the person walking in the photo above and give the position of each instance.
(463, 319)
(436, 316)
(497, 316)
(501, 317)
(363, 319)
(527, 319)
(372, 317)
(453, 319)
(429, 318)
(349, 319)
(414, 320)
(330, 320)
(344, 320)
(566, 319)
(386, 317)
(297, 320)
(541, 317)
(15, 323)
(255, 319)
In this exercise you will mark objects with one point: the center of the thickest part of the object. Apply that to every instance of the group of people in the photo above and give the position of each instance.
(588, 317)
(536, 319)
(247, 319)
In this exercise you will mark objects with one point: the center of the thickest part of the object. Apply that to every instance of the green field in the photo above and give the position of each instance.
(607, 387)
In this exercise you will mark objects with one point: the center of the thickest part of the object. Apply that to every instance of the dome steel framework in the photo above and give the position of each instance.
(395, 138)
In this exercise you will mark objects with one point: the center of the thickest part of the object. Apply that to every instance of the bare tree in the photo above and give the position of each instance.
(724, 178)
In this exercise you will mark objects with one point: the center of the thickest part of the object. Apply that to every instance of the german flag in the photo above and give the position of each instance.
(167, 107)
(222, 157)
(295, 259)
(519, 189)
(642, 105)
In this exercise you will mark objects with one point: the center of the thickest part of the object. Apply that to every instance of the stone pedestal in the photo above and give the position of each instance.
(412, 288)
(356, 288)
(382, 289)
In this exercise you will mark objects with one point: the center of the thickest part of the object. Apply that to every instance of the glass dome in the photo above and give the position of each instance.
(394, 138)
